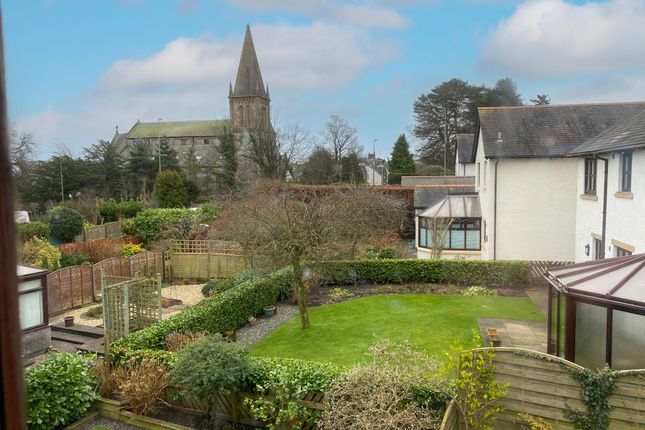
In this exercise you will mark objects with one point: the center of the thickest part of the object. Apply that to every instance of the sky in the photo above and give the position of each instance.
(76, 69)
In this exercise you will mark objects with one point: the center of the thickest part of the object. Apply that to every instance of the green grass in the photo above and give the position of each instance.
(343, 332)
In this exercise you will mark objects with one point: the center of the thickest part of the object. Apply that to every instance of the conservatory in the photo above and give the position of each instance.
(596, 312)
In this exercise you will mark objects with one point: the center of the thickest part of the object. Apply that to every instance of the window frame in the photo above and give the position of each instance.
(424, 224)
(591, 176)
(621, 252)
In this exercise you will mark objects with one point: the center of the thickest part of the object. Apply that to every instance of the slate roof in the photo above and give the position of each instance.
(627, 134)
(465, 145)
(177, 129)
(546, 131)
(249, 78)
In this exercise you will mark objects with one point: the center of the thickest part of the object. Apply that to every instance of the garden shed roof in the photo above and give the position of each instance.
(620, 279)
(455, 206)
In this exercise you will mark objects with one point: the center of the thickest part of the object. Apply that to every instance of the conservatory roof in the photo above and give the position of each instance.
(455, 206)
(620, 279)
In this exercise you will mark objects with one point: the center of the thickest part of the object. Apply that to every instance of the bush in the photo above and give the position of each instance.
(59, 390)
(152, 223)
(176, 341)
(226, 311)
(142, 385)
(210, 367)
(306, 376)
(65, 223)
(478, 291)
(75, 259)
(40, 253)
(32, 229)
(130, 249)
(113, 210)
(170, 190)
(435, 271)
(108, 380)
(219, 286)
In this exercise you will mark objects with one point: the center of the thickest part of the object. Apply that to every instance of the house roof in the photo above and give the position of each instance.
(626, 134)
(546, 131)
(620, 279)
(455, 206)
(177, 129)
(465, 145)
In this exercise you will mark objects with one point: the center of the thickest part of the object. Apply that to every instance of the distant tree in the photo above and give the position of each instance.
(108, 167)
(341, 139)
(505, 93)
(170, 190)
(22, 147)
(228, 152)
(294, 142)
(65, 223)
(264, 152)
(169, 156)
(191, 164)
(541, 100)
(143, 165)
(319, 167)
(401, 160)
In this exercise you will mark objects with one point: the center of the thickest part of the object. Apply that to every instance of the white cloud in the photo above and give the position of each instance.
(556, 38)
(188, 79)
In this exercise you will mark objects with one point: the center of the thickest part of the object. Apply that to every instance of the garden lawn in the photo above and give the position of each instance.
(342, 333)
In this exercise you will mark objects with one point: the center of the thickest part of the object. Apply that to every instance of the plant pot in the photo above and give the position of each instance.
(269, 311)
(252, 321)
(230, 335)
(69, 321)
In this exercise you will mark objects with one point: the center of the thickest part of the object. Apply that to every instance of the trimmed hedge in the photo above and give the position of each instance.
(222, 285)
(435, 271)
(226, 311)
(309, 376)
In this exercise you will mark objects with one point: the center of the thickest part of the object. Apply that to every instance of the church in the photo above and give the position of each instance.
(249, 107)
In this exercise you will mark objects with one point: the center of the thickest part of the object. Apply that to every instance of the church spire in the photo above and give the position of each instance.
(249, 78)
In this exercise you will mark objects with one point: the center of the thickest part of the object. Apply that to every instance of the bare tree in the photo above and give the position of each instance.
(440, 228)
(294, 143)
(341, 138)
(22, 150)
(288, 226)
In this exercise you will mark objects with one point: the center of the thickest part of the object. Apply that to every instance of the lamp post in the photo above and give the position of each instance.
(159, 140)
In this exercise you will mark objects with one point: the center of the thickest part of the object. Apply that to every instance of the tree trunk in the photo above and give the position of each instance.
(299, 288)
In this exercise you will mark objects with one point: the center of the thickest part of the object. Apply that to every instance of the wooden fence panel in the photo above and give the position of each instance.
(116, 266)
(205, 259)
(69, 288)
(147, 264)
(113, 229)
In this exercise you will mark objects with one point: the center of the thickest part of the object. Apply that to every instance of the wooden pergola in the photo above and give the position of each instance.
(596, 312)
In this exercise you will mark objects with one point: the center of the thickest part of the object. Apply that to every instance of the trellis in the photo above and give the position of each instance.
(206, 259)
(129, 304)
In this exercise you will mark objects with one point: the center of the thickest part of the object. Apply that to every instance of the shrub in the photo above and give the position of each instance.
(478, 291)
(142, 385)
(170, 190)
(65, 223)
(217, 314)
(210, 367)
(130, 249)
(176, 223)
(108, 381)
(75, 259)
(113, 210)
(529, 422)
(30, 230)
(102, 249)
(59, 390)
(309, 376)
(176, 341)
(40, 253)
(219, 286)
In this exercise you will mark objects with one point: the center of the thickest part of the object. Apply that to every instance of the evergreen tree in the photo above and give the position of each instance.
(169, 157)
(320, 167)
(401, 160)
(191, 164)
(541, 100)
(108, 167)
(142, 165)
(351, 168)
(170, 190)
(228, 152)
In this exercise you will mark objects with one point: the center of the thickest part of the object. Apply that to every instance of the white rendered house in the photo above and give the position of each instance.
(610, 201)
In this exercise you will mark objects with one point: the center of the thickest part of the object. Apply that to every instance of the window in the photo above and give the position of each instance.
(621, 252)
(463, 234)
(207, 141)
(626, 171)
(184, 141)
(591, 165)
(597, 249)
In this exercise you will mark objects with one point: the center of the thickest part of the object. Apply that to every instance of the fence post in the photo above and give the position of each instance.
(106, 335)
(126, 309)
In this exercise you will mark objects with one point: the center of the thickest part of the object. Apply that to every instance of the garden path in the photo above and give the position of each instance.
(250, 334)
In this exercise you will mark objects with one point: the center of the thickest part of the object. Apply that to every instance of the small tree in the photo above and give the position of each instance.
(228, 152)
(440, 228)
(65, 223)
(401, 160)
(170, 190)
(290, 226)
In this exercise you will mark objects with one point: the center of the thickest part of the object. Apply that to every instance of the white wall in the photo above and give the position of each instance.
(536, 207)
(625, 216)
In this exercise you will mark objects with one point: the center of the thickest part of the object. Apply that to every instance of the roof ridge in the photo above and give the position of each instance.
(561, 105)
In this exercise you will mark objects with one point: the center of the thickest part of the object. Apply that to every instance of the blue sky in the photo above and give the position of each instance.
(78, 68)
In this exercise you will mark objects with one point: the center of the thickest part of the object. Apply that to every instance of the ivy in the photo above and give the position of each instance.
(596, 388)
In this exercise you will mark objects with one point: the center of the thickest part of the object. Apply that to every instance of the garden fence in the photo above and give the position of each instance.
(75, 286)
(205, 259)
(542, 385)
(109, 229)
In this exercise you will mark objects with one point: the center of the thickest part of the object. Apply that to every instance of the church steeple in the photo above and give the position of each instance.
(249, 100)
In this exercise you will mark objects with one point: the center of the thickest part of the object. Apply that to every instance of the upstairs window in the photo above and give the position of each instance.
(591, 165)
(626, 171)
(620, 252)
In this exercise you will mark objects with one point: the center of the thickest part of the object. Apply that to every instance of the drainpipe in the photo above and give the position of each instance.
(603, 239)
(495, 215)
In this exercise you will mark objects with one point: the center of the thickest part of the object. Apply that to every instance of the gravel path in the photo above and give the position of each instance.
(248, 335)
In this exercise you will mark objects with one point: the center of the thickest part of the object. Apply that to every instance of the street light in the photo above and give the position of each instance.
(159, 140)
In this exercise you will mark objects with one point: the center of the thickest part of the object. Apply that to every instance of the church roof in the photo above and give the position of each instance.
(249, 78)
(143, 130)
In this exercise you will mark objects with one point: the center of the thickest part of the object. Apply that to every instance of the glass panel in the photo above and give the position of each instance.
(591, 335)
(628, 349)
(458, 239)
(446, 240)
(29, 285)
(422, 237)
(429, 237)
(472, 239)
(31, 309)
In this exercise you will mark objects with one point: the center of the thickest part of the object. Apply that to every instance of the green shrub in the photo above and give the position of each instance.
(210, 367)
(65, 223)
(217, 314)
(130, 249)
(306, 376)
(113, 210)
(222, 285)
(59, 390)
(151, 223)
(75, 259)
(32, 229)
(40, 253)
(434, 271)
(207, 212)
(170, 190)
(478, 291)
